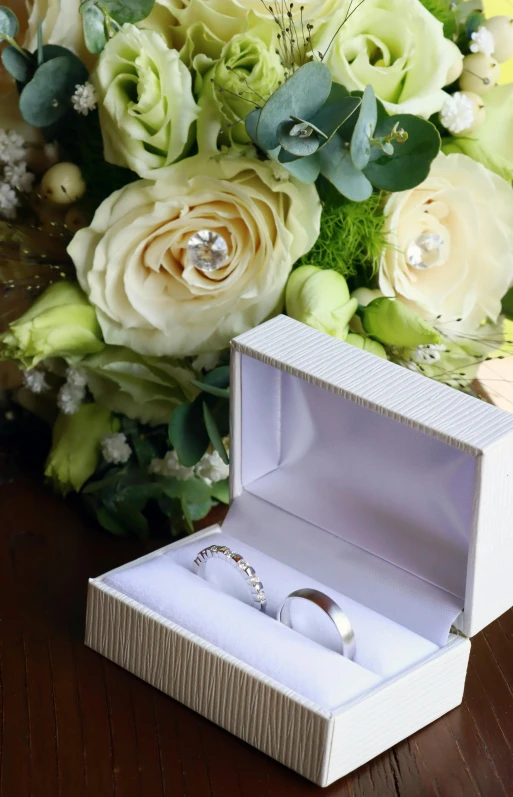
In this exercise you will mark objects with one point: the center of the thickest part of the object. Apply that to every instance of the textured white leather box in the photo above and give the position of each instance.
(392, 485)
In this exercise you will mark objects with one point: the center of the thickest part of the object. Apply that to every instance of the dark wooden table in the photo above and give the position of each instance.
(73, 724)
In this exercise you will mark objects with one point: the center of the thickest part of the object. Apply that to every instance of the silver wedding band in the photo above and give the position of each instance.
(346, 642)
(255, 586)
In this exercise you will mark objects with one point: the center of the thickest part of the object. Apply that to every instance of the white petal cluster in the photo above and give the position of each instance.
(115, 449)
(35, 381)
(171, 466)
(212, 468)
(17, 176)
(73, 392)
(12, 147)
(84, 99)
(8, 201)
(457, 113)
(482, 42)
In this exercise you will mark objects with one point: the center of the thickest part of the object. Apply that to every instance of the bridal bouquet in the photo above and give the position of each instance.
(174, 172)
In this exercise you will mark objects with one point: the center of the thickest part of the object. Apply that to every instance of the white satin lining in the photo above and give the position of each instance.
(368, 506)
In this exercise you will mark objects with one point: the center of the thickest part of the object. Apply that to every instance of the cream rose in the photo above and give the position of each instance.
(62, 24)
(467, 212)
(397, 46)
(145, 101)
(134, 265)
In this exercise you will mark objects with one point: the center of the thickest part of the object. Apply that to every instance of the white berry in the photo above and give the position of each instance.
(480, 73)
(63, 184)
(479, 112)
(501, 29)
(454, 72)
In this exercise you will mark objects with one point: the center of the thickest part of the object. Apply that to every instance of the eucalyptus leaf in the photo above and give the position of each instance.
(194, 491)
(302, 95)
(198, 511)
(40, 58)
(19, 66)
(338, 168)
(214, 434)
(128, 10)
(138, 495)
(297, 145)
(218, 377)
(110, 522)
(187, 433)
(9, 27)
(220, 392)
(306, 170)
(221, 491)
(47, 97)
(133, 520)
(93, 20)
(364, 129)
(411, 162)
(337, 111)
(51, 51)
(187, 515)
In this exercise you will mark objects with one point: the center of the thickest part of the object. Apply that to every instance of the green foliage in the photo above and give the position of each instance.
(9, 26)
(46, 98)
(95, 31)
(351, 238)
(197, 424)
(18, 64)
(314, 127)
(507, 305)
(103, 19)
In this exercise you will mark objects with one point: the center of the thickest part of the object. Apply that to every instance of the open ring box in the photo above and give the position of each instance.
(388, 491)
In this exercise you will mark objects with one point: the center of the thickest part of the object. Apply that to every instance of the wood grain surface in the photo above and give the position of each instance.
(73, 724)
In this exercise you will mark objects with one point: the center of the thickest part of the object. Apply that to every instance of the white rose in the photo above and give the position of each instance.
(396, 46)
(62, 24)
(133, 263)
(471, 210)
(145, 101)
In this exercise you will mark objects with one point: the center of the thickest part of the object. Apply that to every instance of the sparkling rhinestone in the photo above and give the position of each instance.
(243, 564)
(207, 250)
(426, 251)
(261, 597)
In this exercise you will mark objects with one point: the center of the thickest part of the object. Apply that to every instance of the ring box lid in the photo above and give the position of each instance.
(350, 467)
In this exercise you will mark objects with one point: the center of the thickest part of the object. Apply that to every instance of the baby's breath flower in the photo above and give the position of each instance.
(8, 201)
(35, 381)
(17, 176)
(482, 42)
(212, 468)
(69, 399)
(458, 113)
(12, 147)
(51, 152)
(84, 99)
(171, 466)
(115, 449)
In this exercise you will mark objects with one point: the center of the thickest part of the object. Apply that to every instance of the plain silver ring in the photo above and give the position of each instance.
(347, 644)
(255, 586)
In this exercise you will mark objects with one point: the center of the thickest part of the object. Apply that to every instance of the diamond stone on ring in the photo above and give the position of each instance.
(255, 586)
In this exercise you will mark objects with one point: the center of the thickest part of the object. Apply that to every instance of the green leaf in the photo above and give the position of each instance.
(301, 147)
(138, 495)
(507, 305)
(199, 511)
(218, 377)
(187, 433)
(19, 66)
(133, 521)
(306, 170)
(221, 491)
(9, 26)
(187, 515)
(47, 97)
(95, 36)
(337, 111)
(220, 392)
(364, 130)
(51, 51)
(302, 95)
(338, 168)
(40, 57)
(411, 162)
(128, 10)
(214, 434)
(110, 522)
(144, 450)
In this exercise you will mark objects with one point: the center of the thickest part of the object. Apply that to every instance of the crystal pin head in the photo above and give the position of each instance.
(426, 251)
(207, 250)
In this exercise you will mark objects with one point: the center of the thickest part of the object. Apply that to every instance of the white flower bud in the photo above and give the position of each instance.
(501, 29)
(480, 73)
(63, 184)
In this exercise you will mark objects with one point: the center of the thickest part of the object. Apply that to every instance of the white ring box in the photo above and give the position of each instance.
(389, 491)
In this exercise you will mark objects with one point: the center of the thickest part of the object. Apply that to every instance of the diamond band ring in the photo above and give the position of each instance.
(345, 635)
(255, 586)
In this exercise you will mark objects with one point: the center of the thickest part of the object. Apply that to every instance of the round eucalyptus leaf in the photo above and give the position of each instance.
(128, 10)
(295, 144)
(306, 170)
(8, 23)
(51, 51)
(410, 164)
(302, 96)
(47, 97)
(251, 122)
(20, 67)
(364, 129)
(94, 29)
(337, 166)
(336, 112)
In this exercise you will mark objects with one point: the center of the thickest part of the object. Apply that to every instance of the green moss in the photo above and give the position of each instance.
(351, 238)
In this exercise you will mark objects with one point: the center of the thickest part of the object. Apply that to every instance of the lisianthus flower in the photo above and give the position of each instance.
(138, 261)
